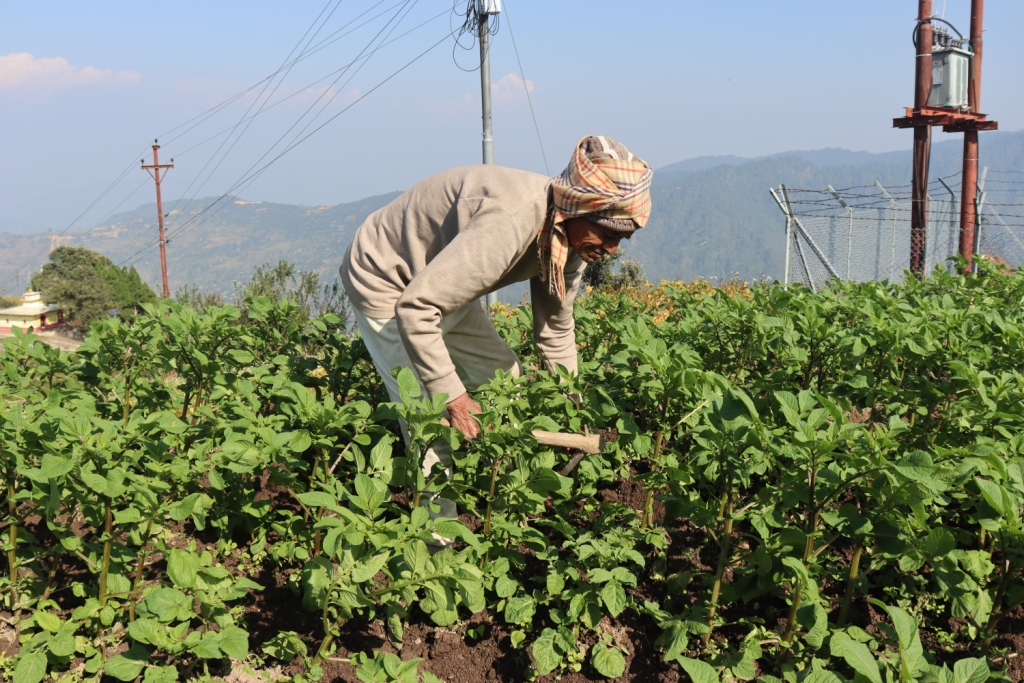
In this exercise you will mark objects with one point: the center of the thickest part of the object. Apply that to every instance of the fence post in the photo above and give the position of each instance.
(849, 232)
(892, 207)
(789, 233)
(952, 208)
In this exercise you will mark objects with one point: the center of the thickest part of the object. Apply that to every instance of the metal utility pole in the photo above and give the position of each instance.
(953, 104)
(154, 171)
(485, 8)
(969, 191)
(922, 139)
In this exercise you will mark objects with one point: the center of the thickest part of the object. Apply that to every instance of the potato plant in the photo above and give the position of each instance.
(795, 487)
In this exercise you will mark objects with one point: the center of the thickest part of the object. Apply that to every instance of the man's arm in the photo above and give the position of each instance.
(554, 330)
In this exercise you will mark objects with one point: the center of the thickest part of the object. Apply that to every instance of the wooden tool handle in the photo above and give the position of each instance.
(582, 442)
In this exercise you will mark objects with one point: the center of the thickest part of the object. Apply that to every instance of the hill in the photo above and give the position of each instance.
(713, 217)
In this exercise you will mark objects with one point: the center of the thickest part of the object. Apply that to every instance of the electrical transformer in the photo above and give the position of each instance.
(489, 6)
(951, 62)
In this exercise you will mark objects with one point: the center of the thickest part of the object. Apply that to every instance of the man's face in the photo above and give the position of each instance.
(590, 240)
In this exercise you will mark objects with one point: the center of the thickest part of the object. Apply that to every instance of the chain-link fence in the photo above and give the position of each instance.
(863, 233)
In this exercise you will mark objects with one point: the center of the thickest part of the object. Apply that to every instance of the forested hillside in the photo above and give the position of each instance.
(713, 217)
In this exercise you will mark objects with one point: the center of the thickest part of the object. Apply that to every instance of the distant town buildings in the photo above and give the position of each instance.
(31, 312)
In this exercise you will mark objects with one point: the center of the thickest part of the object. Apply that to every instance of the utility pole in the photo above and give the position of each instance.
(154, 171)
(485, 8)
(969, 190)
(922, 139)
(945, 103)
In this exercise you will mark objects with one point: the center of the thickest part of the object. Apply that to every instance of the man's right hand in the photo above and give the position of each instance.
(461, 410)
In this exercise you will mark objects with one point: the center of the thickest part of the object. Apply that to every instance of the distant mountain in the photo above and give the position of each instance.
(213, 250)
(712, 217)
(719, 221)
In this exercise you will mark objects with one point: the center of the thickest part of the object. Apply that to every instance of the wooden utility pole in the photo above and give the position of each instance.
(969, 191)
(154, 171)
(922, 139)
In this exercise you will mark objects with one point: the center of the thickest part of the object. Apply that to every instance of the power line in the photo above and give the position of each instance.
(191, 220)
(407, 7)
(259, 98)
(319, 80)
(526, 87)
(253, 176)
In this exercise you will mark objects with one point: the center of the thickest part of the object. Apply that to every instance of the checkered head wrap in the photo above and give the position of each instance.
(604, 183)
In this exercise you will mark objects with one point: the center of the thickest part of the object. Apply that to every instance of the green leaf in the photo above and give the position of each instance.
(555, 584)
(129, 516)
(53, 466)
(63, 642)
(369, 568)
(546, 657)
(182, 567)
(993, 494)
(408, 385)
(608, 661)
(234, 642)
(317, 499)
(241, 357)
(47, 621)
(938, 543)
(973, 670)
(821, 676)
(699, 672)
(127, 666)
(31, 668)
(912, 658)
(856, 655)
(520, 610)
(505, 586)
(208, 647)
(148, 631)
(614, 598)
(160, 674)
(168, 604)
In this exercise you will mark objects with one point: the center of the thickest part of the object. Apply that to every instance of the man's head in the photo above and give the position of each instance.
(591, 240)
(603, 195)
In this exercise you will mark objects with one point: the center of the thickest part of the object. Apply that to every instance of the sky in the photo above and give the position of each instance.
(85, 87)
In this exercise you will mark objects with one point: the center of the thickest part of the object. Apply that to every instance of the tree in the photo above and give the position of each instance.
(286, 281)
(189, 295)
(601, 275)
(89, 285)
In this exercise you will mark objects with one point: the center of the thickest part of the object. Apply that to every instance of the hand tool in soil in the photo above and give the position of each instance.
(586, 443)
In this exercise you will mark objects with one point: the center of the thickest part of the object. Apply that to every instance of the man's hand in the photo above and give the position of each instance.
(461, 411)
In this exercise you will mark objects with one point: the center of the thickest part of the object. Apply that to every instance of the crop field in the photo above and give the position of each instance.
(794, 488)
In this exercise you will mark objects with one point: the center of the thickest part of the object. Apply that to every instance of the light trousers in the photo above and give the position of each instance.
(476, 350)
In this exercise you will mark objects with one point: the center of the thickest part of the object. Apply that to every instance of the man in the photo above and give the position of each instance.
(416, 269)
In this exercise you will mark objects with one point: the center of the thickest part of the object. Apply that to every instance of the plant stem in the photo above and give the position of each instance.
(850, 583)
(495, 468)
(138, 573)
(51, 575)
(798, 594)
(724, 546)
(647, 518)
(12, 542)
(108, 524)
(127, 398)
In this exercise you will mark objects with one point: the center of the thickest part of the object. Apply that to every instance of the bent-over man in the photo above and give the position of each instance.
(416, 269)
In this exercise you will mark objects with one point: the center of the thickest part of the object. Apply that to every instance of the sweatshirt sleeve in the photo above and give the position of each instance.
(463, 271)
(554, 330)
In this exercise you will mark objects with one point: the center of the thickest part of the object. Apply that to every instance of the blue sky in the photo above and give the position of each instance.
(86, 86)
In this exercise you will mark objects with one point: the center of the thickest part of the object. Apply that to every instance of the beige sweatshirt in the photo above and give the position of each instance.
(446, 242)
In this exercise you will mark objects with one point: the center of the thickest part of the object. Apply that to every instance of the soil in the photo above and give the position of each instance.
(452, 654)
